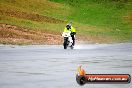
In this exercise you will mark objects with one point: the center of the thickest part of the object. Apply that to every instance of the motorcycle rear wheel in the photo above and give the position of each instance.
(65, 46)
(72, 47)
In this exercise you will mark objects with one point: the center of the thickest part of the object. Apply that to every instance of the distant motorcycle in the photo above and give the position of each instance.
(68, 42)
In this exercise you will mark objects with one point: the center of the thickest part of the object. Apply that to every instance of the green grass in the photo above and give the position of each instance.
(106, 15)
(101, 13)
(100, 18)
(44, 8)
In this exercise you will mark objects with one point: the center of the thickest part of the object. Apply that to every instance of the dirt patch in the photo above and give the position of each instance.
(10, 34)
(29, 16)
(128, 19)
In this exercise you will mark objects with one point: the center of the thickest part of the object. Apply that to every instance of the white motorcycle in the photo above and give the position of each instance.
(68, 42)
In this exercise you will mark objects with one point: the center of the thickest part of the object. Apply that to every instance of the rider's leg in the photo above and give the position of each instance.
(73, 38)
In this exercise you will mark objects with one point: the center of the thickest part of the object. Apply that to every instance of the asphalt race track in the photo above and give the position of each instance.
(50, 66)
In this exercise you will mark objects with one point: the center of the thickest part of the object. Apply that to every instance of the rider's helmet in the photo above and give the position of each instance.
(68, 26)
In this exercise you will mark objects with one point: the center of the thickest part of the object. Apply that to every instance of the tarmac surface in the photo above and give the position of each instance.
(50, 66)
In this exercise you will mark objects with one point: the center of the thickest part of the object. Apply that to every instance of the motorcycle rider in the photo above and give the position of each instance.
(73, 32)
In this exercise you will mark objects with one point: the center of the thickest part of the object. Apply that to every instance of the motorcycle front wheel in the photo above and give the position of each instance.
(65, 43)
